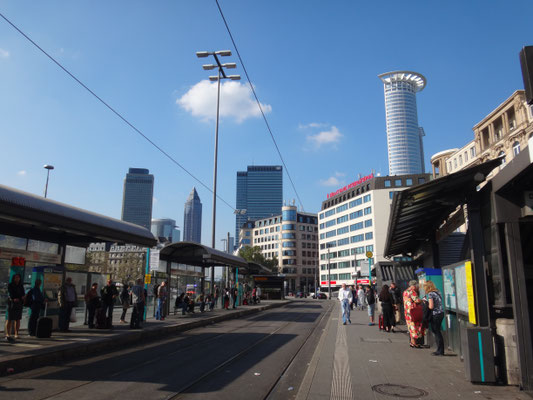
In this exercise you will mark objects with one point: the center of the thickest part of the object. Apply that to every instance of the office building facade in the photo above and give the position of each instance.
(259, 193)
(165, 230)
(292, 238)
(404, 136)
(353, 221)
(192, 218)
(137, 197)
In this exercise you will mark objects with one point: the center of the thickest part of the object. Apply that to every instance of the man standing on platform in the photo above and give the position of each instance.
(109, 292)
(346, 298)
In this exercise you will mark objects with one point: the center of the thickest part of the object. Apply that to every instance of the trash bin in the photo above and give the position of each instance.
(478, 352)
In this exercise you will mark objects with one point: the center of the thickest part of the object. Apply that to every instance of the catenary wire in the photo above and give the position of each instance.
(173, 160)
(259, 104)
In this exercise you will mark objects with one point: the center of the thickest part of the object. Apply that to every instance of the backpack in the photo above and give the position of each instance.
(370, 298)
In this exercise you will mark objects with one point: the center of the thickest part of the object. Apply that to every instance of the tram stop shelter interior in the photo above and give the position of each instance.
(497, 242)
(42, 230)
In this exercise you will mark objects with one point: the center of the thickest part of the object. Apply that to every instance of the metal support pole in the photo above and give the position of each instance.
(329, 279)
(46, 186)
(215, 183)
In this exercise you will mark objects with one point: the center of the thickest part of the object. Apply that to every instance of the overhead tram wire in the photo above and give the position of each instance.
(115, 112)
(259, 104)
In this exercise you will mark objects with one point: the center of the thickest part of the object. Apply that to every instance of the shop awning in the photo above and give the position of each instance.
(34, 217)
(416, 213)
(191, 253)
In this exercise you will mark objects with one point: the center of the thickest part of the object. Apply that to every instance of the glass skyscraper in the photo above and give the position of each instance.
(192, 219)
(404, 136)
(259, 193)
(137, 197)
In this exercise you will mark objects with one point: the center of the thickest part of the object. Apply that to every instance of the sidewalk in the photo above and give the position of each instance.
(29, 352)
(357, 361)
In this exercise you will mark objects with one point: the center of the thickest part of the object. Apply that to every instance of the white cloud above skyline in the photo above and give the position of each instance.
(334, 180)
(236, 101)
(331, 136)
(21, 173)
(4, 53)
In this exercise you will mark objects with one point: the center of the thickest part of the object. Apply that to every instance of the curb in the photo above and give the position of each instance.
(128, 338)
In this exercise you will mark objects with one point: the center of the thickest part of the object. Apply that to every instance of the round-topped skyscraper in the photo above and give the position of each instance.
(404, 136)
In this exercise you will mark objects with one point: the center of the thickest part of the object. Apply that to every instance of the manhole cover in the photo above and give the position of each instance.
(406, 392)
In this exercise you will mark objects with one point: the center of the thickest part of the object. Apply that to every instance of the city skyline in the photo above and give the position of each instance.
(328, 130)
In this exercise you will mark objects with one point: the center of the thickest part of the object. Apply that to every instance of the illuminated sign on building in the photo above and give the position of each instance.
(351, 185)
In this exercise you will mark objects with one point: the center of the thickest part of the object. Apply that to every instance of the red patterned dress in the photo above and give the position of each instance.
(410, 297)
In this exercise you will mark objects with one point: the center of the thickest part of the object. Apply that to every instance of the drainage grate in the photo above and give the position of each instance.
(405, 392)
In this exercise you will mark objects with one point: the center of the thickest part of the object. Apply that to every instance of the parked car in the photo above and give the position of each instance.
(300, 295)
(321, 296)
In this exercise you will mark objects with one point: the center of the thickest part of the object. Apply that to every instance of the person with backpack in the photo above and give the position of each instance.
(137, 302)
(125, 300)
(35, 300)
(371, 301)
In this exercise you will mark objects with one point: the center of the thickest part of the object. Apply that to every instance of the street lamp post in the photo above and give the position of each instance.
(221, 75)
(48, 168)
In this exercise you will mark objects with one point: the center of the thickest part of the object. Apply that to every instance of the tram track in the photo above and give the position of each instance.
(253, 323)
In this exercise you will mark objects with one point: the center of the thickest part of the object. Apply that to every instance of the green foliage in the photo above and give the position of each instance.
(253, 254)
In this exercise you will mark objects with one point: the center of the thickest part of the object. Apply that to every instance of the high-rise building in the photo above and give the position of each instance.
(354, 220)
(290, 237)
(165, 229)
(404, 136)
(259, 193)
(192, 219)
(137, 197)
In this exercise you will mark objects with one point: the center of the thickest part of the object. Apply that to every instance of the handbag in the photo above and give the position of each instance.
(417, 313)
(73, 315)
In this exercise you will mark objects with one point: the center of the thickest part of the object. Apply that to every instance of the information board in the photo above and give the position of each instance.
(450, 300)
(460, 289)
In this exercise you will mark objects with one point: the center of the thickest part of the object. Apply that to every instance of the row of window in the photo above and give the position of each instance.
(344, 207)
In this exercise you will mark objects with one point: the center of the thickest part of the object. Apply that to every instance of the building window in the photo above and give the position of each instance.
(421, 180)
(398, 182)
(516, 148)
(460, 160)
(502, 155)
(391, 195)
(473, 152)
(409, 182)
(387, 183)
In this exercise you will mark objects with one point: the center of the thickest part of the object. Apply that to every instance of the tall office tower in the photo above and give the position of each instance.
(137, 197)
(192, 219)
(404, 136)
(165, 229)
(259, 193)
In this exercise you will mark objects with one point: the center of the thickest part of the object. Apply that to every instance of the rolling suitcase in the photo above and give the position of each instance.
(44, 325)
(380, 322)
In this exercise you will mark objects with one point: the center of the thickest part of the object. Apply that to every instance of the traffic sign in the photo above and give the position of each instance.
(148, 279)
(369, 254)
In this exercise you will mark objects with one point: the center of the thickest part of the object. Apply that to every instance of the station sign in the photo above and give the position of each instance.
(325, 283)
(351, 185)
(363, 282)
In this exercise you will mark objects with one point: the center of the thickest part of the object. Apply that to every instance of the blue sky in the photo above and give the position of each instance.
(314, 65)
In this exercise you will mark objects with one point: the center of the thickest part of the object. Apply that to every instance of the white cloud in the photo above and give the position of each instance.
(331, 181)
(326, 137)
(4, 53)
(312, 125)
(21, 173)
(236, 101)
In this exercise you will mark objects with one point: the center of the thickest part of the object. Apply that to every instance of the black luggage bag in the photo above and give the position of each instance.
(44, 326)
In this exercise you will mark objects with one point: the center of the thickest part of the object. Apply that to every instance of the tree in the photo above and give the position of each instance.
(253, 254)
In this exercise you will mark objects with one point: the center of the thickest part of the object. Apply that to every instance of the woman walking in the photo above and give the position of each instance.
(413, 313)
(437, 315)
(15, 302)
(387, 309)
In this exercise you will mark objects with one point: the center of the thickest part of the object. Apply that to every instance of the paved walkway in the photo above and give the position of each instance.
(29, 352)
(350, 360)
